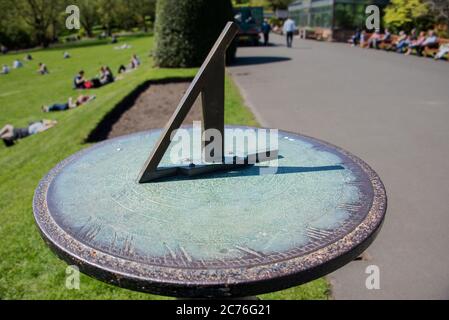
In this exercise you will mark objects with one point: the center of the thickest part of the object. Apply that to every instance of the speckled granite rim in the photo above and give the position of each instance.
(211, 282)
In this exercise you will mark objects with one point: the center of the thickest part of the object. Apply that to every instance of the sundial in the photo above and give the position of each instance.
(217, 227)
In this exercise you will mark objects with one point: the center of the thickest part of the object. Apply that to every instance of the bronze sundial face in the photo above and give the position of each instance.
(232, 233)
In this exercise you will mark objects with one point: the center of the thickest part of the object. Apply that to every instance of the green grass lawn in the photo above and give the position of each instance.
(28, 269)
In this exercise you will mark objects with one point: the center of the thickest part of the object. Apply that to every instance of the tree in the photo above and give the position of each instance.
(408, 14)
(269, 4)
(39, 15)
(186, 30)
(279, 4)
(141, 10)
(107, 11)
(88, 15)
(440, 9)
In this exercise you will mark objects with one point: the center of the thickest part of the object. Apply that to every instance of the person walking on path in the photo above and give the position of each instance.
(266, 28)
(289, 28)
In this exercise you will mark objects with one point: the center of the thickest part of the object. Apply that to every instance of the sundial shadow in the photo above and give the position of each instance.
(249, 171)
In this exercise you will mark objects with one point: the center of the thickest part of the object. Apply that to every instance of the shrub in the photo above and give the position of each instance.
(187, 29)
(408, 14)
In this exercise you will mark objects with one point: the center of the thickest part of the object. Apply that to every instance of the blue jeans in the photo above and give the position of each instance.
(401, 45)
(289, 39)
(59, 107)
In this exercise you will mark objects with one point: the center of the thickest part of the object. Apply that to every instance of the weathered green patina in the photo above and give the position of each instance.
(225, 234)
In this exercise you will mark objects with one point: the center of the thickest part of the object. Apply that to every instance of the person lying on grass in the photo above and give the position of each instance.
(70, 104)
(9, 134)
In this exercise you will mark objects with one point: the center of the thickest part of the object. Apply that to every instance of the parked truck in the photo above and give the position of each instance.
(250, 21)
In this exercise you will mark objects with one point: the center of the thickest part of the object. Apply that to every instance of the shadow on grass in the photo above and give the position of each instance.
(103, 129)
(85, 43)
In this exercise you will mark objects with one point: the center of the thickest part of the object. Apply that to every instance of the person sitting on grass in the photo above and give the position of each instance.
(9, 134)
(135, 62)
(79, 81)
(414, 45)
(70, 104)
(17, 64)
(42, 69)
(5, 69)
(106, 76)
(121, 69)
(28, 57)
(66, 55)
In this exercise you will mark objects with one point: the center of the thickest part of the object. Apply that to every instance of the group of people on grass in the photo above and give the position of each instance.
(403, 43)
(9, 134)
(105, 77)
(17, 64)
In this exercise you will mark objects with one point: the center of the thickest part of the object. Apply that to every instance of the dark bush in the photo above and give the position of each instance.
(16, 39)
(187, 29)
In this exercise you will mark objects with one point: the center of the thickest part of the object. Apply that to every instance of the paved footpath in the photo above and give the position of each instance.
(393, 112)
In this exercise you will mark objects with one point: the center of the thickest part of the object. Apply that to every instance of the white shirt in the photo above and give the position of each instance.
(36, 128)
(17, 64)
(289, 26)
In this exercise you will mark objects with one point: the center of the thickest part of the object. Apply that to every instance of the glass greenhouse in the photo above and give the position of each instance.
(332, 14)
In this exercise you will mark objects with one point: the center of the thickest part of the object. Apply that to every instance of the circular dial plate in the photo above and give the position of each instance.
(214, 229)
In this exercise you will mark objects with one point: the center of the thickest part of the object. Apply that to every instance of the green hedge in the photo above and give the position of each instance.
(186, 30)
